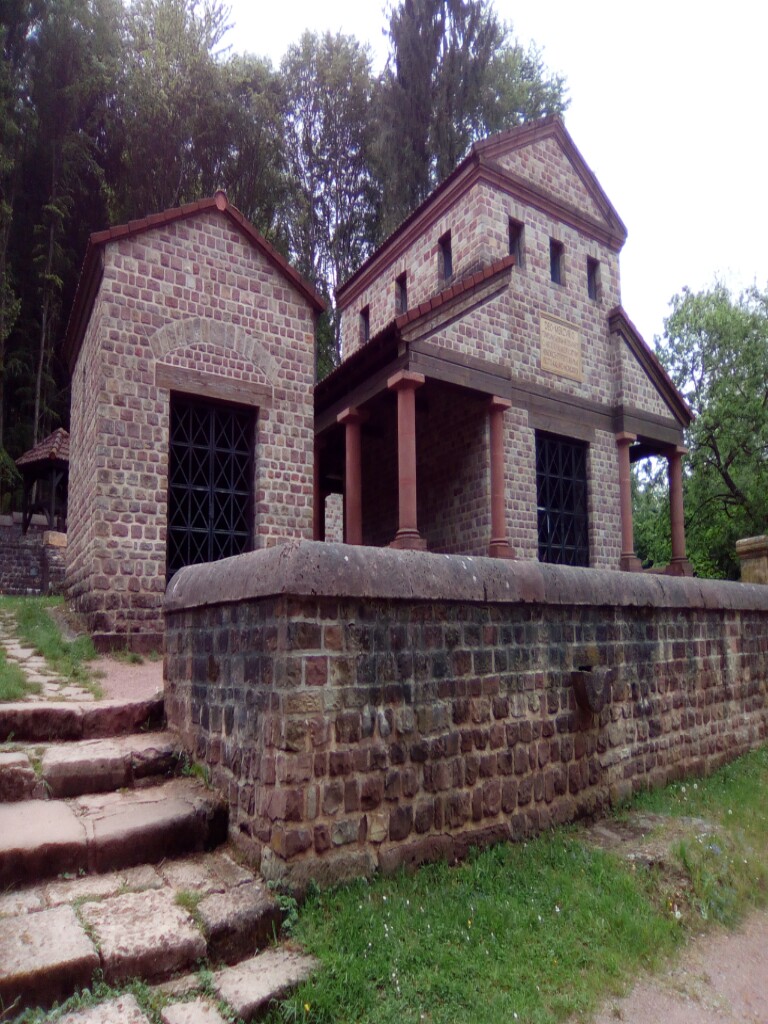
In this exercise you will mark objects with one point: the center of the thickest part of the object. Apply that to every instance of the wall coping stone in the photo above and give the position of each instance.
(751, 546)
(320, 569)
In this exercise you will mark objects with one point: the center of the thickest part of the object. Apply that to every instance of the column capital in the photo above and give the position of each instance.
(623, 437)
(405, 380)
(352, 414)
(496, 402)
(675, 451)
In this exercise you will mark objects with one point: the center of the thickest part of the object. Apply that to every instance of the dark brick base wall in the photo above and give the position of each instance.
(354, 732)
(27, 565)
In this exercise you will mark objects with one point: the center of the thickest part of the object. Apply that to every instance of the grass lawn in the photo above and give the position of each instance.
(36, 628)
(13, 683)
(535, 932)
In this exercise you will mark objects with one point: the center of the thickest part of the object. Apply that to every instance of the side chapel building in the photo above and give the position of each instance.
(492, 396)
(493, 391)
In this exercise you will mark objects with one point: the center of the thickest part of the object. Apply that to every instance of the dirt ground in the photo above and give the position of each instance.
(720, 978)
(119, 678)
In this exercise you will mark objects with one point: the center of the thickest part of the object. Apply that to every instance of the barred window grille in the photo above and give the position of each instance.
(561, 485)
(210, 482)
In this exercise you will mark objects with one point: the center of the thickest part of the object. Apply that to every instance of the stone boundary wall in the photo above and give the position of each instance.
(30, 564)
(368, 708)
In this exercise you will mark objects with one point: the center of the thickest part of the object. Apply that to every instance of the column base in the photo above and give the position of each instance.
(679, 567)
(408, 540)
(500, 549)
(630, 563)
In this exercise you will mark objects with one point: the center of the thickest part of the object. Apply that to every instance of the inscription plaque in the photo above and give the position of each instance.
(560, 348)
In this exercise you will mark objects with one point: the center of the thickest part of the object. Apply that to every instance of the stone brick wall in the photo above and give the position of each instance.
(29, 564)
(368, 708)
(190, 306)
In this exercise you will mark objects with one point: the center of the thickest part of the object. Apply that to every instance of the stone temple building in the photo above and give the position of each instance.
(492, 397)
(191, 349)
(494, 391)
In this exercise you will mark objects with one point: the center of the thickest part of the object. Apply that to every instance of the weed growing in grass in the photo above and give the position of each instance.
(289, 908)
(129, 657)
(189, 900)
(150, 1001)
(190, 769)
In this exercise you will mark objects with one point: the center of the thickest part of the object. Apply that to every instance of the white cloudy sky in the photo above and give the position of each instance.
(668, 107)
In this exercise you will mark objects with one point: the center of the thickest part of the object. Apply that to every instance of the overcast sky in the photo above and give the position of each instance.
(668, 108)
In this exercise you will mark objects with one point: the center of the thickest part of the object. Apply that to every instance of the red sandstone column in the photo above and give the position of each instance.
(679, 566)
(405, 384)
(629, 560)
(353, 495)
(499, 546)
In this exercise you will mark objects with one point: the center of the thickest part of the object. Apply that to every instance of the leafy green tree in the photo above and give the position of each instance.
(453, 76)
(328, 89)
(715, 348)
(650, 512)
(170, 96)
(15, 20)
(253, 167)
(70, 85)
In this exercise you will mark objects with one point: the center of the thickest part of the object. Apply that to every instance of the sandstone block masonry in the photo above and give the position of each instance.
(368, 708)
(190, 305)
(31, 563)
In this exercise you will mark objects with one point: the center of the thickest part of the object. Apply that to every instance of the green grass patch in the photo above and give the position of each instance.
(727, 868)
(531, 932)
(36, 628)
(14, 685)
(190, 900)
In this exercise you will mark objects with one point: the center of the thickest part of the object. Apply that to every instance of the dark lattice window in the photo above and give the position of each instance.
(210, 490)
(561, 485)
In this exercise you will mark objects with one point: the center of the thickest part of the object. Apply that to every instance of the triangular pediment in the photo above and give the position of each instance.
(645, 382)
(544, 158)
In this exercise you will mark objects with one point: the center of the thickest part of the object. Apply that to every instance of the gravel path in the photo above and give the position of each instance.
(720, 978)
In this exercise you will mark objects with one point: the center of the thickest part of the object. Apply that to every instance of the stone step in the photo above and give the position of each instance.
(86, 766)
(104, 832)
(149, 922)
(251, 986)
(48, 721)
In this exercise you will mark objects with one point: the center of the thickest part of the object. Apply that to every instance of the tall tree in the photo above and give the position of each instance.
(253, 166)
(170, 97)
(70, 86)
(453, 75)
(715, 348)
(16, 19)
(329, 129)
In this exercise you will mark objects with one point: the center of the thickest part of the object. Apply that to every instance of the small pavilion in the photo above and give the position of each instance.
(47, 466)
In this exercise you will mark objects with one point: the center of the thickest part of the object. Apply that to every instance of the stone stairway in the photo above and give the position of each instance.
(113, 865)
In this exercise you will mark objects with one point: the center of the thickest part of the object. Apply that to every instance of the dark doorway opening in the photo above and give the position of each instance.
(210, 482)
(561, 485)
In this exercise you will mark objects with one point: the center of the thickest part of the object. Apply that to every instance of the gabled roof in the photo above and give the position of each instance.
(52, 449)
(481, 164)
(93, 264)
(619, 323)
(382, 347)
